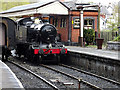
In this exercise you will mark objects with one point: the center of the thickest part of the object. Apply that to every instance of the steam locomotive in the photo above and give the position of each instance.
(37, 41)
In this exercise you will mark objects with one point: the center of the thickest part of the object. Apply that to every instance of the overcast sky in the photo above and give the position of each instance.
(105, 2)
(97, 1)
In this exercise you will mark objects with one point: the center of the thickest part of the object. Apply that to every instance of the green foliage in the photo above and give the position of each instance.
(119, 14)
(113, 26)
(112, 21)
(89, 35)
(5, 5)
(117, 39)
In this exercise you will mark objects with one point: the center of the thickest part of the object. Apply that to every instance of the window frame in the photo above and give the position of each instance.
(55, 22)
(63, 22)
(76, 22)
(88, 22)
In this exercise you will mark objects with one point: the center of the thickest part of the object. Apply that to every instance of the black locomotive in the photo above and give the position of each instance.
(37, 40)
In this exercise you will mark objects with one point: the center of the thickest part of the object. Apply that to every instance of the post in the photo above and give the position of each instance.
(99, 21)
(69, 30)
(81, 28)
(79, 81)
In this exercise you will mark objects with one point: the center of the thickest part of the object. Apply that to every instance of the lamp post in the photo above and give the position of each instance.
(81, 21)
(81, 26)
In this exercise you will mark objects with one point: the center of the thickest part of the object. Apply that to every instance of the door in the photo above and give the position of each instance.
(2, 34)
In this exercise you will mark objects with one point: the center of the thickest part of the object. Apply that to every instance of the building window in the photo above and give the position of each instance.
(88, 22)
(63, 23)
(55, 22)
(103, 23)
(76, 24)
(85, 22)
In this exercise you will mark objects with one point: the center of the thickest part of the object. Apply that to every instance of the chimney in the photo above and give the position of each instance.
(61, 0)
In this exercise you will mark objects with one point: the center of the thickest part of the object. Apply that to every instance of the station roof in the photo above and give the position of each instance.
(45, 7)
(86, 6)
(25, 7)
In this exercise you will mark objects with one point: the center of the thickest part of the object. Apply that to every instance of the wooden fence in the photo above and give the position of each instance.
(108, 36)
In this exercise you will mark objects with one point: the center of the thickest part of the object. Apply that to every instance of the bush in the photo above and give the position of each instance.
(89, 35)
(117, 39)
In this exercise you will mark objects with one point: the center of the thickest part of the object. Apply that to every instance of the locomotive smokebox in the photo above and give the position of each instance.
(48, 33)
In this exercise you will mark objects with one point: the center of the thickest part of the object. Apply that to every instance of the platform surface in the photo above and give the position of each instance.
(8, 78)
(95, 52)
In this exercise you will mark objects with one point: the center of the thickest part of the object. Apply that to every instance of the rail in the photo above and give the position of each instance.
(36, 75)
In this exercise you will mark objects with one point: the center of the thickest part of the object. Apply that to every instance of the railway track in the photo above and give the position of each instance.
(79, 79)
(76, 82)
(61, 69)
(98, 81)
(36, 75)
(38, 69)
(79, 70)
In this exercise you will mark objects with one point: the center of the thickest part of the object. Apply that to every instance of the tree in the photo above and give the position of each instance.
(112, 21)
(5, 5)
(119, 13)
(89, 35)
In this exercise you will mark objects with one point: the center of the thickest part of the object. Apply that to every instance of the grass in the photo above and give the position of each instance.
(117, 39)
(94, 46)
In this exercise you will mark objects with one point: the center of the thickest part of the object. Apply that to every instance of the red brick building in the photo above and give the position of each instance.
(64, 15)
(71, 28)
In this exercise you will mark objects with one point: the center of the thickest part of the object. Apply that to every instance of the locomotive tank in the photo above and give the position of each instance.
(36, 31)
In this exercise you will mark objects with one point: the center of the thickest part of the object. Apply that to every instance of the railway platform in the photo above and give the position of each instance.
(8, 78)
(95, 52)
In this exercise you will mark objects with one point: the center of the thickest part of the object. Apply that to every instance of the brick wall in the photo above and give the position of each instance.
(62, 31)
(94, 15)
(102, 15)
(74, 32)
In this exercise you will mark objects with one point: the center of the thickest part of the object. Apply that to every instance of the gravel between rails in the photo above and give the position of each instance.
(49, 74)
(94, 80)
(28, 80)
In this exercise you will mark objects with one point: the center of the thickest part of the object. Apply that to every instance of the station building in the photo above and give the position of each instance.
(65, 16)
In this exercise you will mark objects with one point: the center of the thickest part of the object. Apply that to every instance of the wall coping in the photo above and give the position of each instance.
(111, 42)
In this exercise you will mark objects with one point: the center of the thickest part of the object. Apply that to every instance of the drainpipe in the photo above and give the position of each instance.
(98, 21)
(69, 28)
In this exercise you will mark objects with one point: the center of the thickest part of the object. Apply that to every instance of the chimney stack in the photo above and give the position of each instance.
(61, 0)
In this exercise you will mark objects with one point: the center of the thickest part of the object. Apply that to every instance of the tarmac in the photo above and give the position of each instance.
(95, 52)
(7, 78)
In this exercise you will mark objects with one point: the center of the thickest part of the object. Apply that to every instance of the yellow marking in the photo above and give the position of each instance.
(72, 21)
